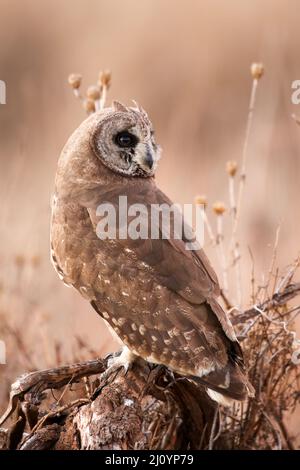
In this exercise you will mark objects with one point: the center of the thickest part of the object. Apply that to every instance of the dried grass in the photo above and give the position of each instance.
(272, 352)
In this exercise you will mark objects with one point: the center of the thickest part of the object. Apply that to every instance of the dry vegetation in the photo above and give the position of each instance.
(272, 351)
(206, 98)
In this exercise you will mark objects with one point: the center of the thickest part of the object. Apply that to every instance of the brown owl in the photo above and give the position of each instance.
(159, 298)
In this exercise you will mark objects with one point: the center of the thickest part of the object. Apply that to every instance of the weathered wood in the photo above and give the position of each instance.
(146, 408)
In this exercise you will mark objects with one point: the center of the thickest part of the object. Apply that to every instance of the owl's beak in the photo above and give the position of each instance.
(146, 157)
(149, 161)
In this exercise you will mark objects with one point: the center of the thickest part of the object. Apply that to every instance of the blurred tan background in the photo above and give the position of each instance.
(187, 63)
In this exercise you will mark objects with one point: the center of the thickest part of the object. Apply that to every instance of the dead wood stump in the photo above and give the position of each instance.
(147, 408)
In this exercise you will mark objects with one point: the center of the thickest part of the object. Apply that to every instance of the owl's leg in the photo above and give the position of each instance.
(125, 359)
(117, 362)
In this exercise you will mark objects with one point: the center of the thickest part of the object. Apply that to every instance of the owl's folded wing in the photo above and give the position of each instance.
(186, 272)
(212, 355)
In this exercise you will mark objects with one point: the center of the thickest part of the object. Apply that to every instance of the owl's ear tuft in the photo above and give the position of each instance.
(117, 106)
(141, 110)
(136, 105)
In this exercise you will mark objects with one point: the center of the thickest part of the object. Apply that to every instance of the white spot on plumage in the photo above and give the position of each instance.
(174, 332)
(188, 334)
(152, 359)
(219, 398)
(144, 265)
(226, 382)
(202, 370)
(142, 330)
(198, 349)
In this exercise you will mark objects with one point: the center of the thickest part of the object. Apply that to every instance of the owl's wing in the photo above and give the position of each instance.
(188, 330)
(186, 272)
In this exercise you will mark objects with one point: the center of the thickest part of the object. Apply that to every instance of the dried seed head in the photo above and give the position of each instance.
(35, 261)
(104, 78)
(201, 200)
(20, 260)
(219, 207)
(89, 106)
(75, 80)
(257, 70)
(231, 167)
(93, 92)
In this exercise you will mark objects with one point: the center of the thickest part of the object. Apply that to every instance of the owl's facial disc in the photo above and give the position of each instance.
(124, 142)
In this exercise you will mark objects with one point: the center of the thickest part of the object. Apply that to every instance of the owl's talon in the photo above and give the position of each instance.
(111, 357)
(123, 359)
(115, 362)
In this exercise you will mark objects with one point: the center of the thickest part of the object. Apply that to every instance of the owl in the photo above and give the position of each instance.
(157, 297)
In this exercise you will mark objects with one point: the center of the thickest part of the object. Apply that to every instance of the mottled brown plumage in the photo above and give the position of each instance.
(159, 298)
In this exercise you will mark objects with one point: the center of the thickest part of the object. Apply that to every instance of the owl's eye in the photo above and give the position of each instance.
(125, 139)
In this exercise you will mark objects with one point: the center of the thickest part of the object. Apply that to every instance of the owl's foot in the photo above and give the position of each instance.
(125, 359)
(116, 362)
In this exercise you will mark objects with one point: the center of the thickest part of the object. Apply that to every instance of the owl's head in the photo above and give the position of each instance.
(123, 140)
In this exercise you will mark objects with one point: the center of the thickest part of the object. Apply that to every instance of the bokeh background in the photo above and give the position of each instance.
(187, 63)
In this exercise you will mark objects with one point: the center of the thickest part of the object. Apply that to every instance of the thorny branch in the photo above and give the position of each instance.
(277, 300)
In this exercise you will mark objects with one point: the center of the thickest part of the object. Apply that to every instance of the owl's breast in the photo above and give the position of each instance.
(71, 235)
(101, 270)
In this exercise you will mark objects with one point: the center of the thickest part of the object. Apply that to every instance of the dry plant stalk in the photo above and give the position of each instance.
(257, 71)
(272, 355)
(271, 349)
(219, 209)
(202, 202)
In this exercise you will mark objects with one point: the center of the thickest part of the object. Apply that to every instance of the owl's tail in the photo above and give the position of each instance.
(229, 383)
